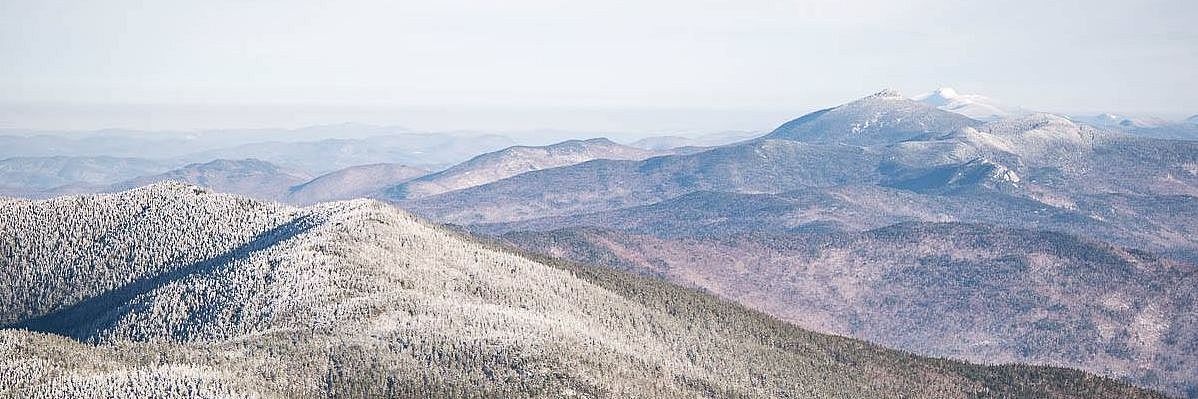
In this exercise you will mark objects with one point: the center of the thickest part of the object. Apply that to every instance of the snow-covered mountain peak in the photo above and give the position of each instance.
(940, 97)
(883, 118)
(971, 105)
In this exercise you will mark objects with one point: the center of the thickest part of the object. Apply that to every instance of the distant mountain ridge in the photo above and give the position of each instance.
(308, 149)
(1144, 127)
(365, 181)
(326, 155)
(39, 173)
(511, 161)
(249, 177)
(704, 140)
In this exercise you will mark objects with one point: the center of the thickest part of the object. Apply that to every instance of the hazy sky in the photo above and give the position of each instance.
(595, 65)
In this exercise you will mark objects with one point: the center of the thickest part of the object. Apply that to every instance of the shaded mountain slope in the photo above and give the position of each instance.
(966, 291)
(358, 299)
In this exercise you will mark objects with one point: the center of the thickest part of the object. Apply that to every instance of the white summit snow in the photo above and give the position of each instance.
(971, 105)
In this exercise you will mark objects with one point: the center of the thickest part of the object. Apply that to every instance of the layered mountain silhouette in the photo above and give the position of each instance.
(41, 173)
(1042, 164)
(327, 155)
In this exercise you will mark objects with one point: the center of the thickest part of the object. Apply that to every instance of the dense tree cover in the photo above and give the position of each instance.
(968, 291)
(357, 299)
(59, 251)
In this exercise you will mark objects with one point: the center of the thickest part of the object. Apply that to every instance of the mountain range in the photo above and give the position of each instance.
(175, 291)
(889, 162)
(35, 177)
(1089, 178)
(41, 173)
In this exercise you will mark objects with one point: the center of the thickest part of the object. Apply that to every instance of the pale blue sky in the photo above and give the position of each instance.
(574, 65)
